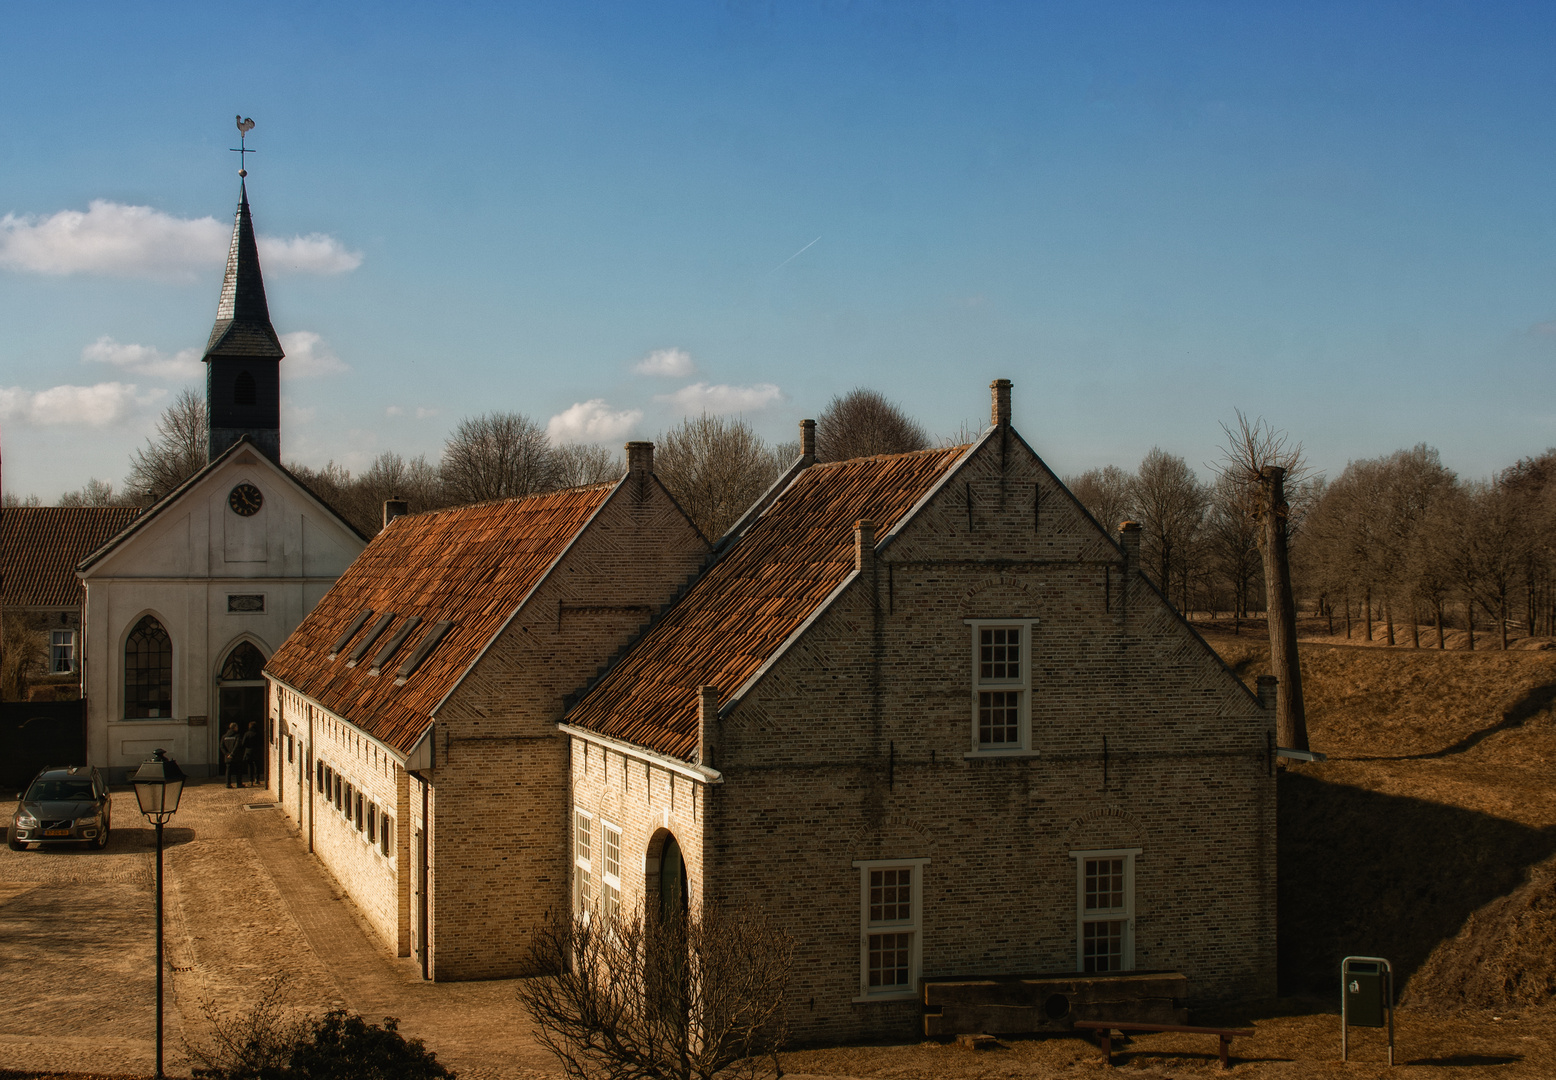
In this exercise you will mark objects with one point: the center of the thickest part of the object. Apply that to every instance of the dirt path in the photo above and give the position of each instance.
(244, 902)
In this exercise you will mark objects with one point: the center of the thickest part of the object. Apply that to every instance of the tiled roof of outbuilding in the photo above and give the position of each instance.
(41, 546)
(471, 566)
(741, 612)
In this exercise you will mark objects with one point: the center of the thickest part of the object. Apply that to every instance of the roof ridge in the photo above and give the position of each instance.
(900, 454)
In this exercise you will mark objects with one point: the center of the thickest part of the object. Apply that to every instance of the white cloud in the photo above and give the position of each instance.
(591, 421)
(138, 241)
(308, 357)
(394, 410)
(315, 253)
(144, 359)
(422, 414)
(93, 406)
(701, 397)
(675, 363)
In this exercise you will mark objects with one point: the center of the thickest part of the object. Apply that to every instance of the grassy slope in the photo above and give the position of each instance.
(1428, 836)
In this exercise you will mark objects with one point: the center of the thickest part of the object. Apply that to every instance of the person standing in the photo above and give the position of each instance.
(232, 754)
(253, 747)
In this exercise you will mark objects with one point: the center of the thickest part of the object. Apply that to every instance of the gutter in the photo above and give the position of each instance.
(700, 773)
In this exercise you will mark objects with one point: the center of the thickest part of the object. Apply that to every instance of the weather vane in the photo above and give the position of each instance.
(242, 149)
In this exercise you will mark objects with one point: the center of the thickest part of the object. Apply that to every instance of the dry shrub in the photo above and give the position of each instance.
(648, 998)
(250, 1043)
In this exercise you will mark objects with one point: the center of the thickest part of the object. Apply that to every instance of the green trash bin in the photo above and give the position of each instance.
(1364, 1001)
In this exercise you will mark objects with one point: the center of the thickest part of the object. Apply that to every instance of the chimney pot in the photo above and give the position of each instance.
(707, 724)
(1267, 686)
(147, 498)
(1129, 536)
(393, 508)
(864, 545)
(808, 439)
(999, 413)
(640, 458)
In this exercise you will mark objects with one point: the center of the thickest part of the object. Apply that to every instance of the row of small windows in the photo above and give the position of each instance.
(375, 825)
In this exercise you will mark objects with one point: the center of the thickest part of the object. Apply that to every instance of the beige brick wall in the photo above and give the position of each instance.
(498, 836)
(854, 747)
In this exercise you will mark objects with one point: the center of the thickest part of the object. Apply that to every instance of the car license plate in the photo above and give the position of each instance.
(56, 832)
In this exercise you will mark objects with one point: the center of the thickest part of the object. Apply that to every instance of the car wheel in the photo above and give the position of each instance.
(102, 838)
(12, 842)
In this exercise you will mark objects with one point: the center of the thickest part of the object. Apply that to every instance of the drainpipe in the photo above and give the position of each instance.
(313, 794)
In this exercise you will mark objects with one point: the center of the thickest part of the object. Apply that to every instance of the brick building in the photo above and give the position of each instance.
(414, 736)
(927, 713)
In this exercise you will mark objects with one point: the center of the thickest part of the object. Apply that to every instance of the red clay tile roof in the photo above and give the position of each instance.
(471, 566)
(738, 614)
(41, 546)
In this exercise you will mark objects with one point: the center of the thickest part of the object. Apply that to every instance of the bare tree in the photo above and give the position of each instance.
(1263, 459)
(94, 492)
(1232, 540)
(177, 453)
(716, 467)
(496, 456)
(24, 652)
(1108, 493)
(862, 423)
(578, 464)
(1171, 503)
(13, 499)
(678, 998)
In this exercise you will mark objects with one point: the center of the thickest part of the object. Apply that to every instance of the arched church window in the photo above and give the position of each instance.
(245, 663)
(243, 390)
(148, 671)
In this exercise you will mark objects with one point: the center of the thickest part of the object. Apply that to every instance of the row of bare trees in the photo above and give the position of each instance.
(716, 466)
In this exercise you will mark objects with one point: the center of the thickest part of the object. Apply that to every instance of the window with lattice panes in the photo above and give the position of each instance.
(610, 877)
(891, 908)
(1105, 910)
(583, 863)
(1002, 687)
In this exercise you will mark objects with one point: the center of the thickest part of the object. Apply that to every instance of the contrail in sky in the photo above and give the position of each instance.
(796, 255)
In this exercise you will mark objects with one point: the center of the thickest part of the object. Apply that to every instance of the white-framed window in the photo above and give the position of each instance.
(1001, 685)
(583, 863)
(1105, 909)
(610, 873)
(891, 919)
(62, 652)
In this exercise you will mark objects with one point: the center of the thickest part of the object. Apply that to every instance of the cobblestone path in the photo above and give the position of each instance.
(245, 902)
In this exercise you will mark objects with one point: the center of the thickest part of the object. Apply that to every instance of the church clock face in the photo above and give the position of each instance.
(245, 500)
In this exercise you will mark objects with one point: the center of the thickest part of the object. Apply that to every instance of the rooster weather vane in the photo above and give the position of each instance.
(242, 150)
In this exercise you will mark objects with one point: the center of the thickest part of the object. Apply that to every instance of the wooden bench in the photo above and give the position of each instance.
(1106, 1028)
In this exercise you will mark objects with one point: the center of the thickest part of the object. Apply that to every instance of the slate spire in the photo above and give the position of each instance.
(242, 357)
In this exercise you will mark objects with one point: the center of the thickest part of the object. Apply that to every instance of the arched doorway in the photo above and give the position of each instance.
(672, 881)
(240, 698)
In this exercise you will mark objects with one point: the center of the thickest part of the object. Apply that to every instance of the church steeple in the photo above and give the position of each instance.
(243, 355)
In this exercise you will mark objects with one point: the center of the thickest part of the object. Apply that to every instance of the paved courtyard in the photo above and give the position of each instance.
(245, 902)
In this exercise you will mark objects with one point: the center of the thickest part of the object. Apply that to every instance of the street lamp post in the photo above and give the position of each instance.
(158, 784)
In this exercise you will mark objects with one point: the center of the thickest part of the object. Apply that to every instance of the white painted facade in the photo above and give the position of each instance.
(196, 565)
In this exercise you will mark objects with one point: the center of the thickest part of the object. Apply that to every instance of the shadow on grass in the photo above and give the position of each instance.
(1363, 873)
(1469, 1059)
(1537, 700)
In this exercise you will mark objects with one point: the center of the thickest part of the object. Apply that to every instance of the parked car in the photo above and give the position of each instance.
(64, 804)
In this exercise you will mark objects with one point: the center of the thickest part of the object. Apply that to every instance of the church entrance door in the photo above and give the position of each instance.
(240, 699)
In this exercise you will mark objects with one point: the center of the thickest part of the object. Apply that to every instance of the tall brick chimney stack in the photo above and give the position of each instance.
(1267, 687)
(707, 725)
(808, 440)
(864, 545)
(640, 458)
(999, 413)
(1129, 536)
(393, 508)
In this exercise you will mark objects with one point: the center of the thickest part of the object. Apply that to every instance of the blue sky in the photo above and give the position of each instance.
(1335, 216)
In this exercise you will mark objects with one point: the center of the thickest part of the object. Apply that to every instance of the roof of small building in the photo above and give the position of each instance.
(748, 605)
(471, 567)
(41, 546)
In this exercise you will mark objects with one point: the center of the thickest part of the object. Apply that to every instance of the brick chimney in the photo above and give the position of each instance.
(393, 508)
(1267, 685)
(999, 412)
(864, 546)
(808, 440)
(1129, 536)
(707, 725)
(640, 459)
